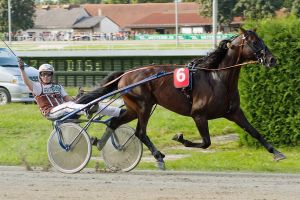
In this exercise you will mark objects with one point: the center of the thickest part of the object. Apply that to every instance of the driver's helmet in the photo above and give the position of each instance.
(46, 68)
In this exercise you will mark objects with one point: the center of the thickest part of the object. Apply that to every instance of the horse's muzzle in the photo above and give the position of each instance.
(268, 61)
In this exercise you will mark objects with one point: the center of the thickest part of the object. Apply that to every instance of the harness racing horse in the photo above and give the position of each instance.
(214, 92)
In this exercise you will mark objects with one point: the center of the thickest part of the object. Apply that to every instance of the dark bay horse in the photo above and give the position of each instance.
(214, 92)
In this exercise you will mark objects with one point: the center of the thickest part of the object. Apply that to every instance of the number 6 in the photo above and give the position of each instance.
(180, 75)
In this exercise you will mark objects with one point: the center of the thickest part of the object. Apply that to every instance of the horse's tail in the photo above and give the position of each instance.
(108, 84)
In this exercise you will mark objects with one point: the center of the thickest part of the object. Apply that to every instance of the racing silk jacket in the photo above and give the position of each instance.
(48, 96)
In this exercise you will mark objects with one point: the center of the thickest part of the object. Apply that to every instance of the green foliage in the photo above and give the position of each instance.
(22, 13)
(248, 9)
(271, 96)
(116, 1)
(67, 1)
(288, 3)
(257, 9)
(225, 7)
(77, 2)
(296, 8)
(292, 6)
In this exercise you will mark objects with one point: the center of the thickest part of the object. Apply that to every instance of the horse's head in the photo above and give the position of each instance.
(253, 48)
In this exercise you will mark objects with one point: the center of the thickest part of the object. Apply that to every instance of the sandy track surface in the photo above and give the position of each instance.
(17, 183)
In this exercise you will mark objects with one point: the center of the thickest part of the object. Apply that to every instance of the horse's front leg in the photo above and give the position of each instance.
(141, 134)
(239, 118)
(202, 125)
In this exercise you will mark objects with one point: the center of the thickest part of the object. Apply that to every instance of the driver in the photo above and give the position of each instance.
(52, 99)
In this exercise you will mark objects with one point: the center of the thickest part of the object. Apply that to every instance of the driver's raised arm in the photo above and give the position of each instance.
(25, 78)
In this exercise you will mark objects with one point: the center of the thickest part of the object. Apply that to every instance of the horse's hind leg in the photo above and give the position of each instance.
(202, 125)
(239, 118)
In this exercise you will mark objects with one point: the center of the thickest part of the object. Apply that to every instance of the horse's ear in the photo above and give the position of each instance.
(243, 30)
(254, 30)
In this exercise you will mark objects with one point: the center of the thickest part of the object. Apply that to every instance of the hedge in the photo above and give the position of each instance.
(271, 97)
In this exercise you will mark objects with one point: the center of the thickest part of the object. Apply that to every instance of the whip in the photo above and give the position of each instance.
(9, 48)
(19, 59)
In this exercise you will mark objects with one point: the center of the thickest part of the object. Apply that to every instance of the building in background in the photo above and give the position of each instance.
(117, 21)
(69, 23)
(158, 17)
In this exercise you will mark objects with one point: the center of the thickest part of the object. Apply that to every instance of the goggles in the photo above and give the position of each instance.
(43, 74)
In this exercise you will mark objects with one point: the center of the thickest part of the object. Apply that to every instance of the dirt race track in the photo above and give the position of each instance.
(17, 183)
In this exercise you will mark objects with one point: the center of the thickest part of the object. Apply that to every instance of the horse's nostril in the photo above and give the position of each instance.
(272, 61)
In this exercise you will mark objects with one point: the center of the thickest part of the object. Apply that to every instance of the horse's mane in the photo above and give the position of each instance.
(213, 59)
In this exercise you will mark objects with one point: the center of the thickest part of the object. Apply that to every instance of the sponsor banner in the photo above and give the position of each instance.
(182, 36)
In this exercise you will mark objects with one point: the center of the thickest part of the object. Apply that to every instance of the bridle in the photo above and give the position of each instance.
(258, 47)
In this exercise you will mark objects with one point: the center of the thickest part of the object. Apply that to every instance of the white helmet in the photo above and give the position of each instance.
(46, 68)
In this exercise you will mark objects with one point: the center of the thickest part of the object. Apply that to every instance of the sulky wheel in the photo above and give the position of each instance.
(123, 151)
(74, 159)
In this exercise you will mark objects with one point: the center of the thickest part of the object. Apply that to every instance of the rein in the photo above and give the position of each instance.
(224, 68)
(200, 68)
(197, 68)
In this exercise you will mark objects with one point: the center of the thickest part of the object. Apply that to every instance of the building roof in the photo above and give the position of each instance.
(57, 17)
(125, 14)
(88, 22)
(168, 20)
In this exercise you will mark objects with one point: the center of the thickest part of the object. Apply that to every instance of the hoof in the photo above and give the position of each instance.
(279, 156)
(161, 165)
(177, 137)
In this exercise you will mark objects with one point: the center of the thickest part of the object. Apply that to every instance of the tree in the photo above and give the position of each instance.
(225, 7)
(257, 9)
(22, 13)
(50, 2)
(296, 8)
(288, 4)
(116, 1)
(80, 1)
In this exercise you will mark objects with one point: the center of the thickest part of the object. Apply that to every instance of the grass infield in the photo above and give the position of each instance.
(24, 134)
